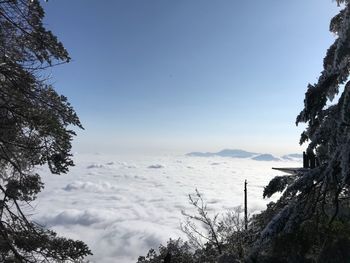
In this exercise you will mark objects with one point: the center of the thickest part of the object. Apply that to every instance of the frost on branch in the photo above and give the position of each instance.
(35, 129)
(315, 201)
(277, 184)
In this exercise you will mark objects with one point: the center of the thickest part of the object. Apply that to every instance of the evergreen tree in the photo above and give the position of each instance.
(34, 130)
(316, 203)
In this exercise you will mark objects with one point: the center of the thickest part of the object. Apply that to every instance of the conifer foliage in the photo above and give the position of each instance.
(320, 197)
(34, 130)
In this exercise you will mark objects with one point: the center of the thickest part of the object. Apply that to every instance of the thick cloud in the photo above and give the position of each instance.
(122, 212)
(156, 166)
(89, 186)
(94, 165)
(75, 217)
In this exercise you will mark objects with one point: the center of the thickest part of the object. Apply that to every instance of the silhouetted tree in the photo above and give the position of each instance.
(34, 130)
(176, 251)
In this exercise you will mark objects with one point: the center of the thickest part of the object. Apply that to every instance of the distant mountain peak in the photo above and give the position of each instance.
(292, 156)
(265, 157)
(237, 153)
(234, 153)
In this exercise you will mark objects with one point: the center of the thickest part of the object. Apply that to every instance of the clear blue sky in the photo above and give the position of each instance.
(185, 75)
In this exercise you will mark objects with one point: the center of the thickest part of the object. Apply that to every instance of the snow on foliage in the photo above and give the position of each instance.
(320, 192)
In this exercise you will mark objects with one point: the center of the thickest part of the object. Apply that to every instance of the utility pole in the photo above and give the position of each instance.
(245, 206)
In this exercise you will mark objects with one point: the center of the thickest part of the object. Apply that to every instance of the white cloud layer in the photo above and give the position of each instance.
(122, 207)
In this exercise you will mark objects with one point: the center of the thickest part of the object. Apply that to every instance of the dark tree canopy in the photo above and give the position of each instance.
(35, 129)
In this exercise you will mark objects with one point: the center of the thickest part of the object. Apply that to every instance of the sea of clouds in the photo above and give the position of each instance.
(123, 206)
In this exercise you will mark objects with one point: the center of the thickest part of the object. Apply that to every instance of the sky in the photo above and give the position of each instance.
(189, 75)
